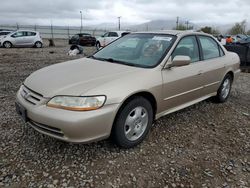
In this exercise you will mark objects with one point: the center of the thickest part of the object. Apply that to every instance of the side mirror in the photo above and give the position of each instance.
(180, 60)
(102, 36)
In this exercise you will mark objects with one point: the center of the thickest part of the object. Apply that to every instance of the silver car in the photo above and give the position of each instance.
(22, 38)
(124, 87)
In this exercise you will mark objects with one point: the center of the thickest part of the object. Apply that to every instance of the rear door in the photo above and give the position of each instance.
(30, 38)
(214, 66)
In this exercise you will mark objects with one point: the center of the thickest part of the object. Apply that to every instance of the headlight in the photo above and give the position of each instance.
(77, 103)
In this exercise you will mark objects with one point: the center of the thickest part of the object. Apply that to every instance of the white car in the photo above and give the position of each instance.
(22, 38)
(4, 33)
(109, 37)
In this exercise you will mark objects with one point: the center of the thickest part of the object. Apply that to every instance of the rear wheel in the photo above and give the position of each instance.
(38, 45)
(224, 89)
(98, 45)
(7, 44)
(133, 123)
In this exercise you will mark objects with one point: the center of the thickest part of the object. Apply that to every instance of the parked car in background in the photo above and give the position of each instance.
(83, 39)
(109, 37)
(4, 33)
(22, 38)
(123, 87)
(245, 40)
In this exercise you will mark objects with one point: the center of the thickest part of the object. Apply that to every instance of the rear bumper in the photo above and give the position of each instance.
(70, 126)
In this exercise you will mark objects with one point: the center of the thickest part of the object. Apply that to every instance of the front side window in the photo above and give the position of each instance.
(209, 47)
(139, 49)
(187, 46)
(18, 34)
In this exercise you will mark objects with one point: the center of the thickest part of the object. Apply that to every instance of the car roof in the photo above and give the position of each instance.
(26, 31)
(83, 34)
(175, 32)
(120, 32)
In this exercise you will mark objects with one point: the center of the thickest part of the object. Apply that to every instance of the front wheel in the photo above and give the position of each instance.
(133, 123)
(224, 89)
(7, 44)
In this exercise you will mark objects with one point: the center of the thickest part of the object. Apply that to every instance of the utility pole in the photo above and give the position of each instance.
(119, 23)
(177, 22)
(187, 23)
(81, 22)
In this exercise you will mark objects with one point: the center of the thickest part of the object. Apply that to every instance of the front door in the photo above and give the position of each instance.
(182, 85)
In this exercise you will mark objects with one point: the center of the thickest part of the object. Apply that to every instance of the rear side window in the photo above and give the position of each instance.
(31, 34)
(4, 33)
(125, 33)
(209, 47)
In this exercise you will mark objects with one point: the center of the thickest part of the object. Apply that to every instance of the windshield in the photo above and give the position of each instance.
(139, 49)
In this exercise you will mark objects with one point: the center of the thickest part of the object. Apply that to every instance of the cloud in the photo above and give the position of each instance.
(64, 12)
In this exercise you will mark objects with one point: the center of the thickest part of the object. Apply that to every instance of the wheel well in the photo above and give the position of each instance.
(7, 41)
(231, 74)
(147, 96)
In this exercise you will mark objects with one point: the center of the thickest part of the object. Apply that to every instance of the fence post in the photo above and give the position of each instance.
(51, 41)
(35, 27)
(68, 32)
(17, 26)
(52, 34)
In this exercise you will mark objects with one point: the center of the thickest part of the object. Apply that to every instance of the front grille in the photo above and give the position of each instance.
(47, 129)
(30, 96)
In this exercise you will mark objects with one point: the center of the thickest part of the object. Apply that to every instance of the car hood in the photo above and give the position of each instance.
(75, 77)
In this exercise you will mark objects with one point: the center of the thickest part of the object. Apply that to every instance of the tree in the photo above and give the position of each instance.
(182, 27)
(238, 28)
(210, 30)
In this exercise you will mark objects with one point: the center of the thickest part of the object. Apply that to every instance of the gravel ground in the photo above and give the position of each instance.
(205, 145)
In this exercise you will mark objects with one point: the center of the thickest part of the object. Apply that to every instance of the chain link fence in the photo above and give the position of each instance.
(60, 32)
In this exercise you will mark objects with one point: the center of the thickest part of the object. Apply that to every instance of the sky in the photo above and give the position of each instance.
(67, 13)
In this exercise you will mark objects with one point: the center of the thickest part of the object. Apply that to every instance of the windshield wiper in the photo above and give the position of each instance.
(111, 60)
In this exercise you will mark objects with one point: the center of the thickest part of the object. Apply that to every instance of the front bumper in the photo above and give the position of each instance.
(70, 126)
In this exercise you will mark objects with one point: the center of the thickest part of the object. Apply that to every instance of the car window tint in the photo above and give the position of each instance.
(124, 33)
(210, 48)
(113, 34)
(106, 34)
(31, 33)
(187, 46)
(4, 33)
(19, 34)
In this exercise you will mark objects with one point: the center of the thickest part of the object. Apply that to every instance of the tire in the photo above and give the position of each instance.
(132, 123)
(224, 89)
(98, 45)
(7, 44)
(38, 44)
